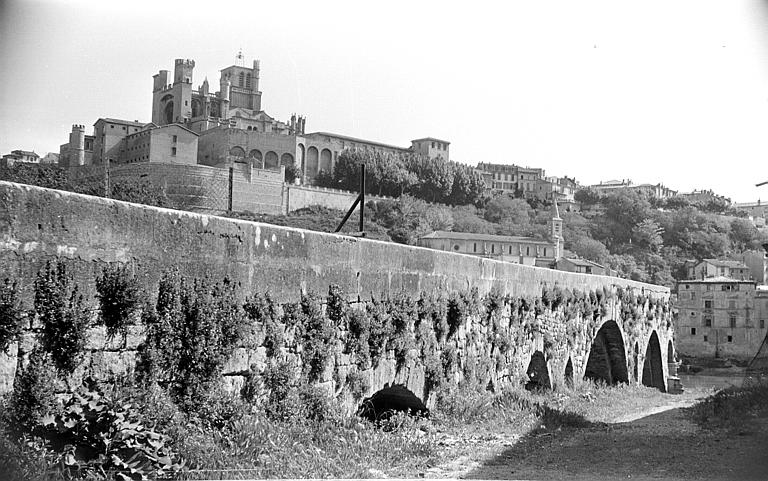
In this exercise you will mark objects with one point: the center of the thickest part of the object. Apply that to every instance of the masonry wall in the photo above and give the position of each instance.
(37, 225)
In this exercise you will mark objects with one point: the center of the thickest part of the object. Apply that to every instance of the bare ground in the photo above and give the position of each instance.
(650, 442)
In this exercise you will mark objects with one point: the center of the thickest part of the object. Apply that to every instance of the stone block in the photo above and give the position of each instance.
(233, 384)
(8, 368)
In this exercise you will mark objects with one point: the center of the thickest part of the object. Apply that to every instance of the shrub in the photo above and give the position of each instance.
(120, 297)
(262, 309)
(358, 384)
(11, 315)
(194, 331)
(358, 337)
(96, 434)
(280, 382)
(33, 391)
(318, 338)
(381, 329)
(62, 311)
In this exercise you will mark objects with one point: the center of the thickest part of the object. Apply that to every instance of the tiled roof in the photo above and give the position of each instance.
(482, 237)
(726, 263)
(715, 280)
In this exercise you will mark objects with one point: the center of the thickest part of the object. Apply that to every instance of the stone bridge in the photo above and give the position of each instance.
(494, 323)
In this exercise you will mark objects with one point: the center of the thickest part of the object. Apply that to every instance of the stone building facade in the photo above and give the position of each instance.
(230, 125)
(720, 317)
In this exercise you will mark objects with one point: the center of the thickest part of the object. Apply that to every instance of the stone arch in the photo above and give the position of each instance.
(568, 375)
(312, 161)
(325, 161)
(653, 372)
(237, 151)
(390, 400)
(607, 359)
(168, 112)
(197, 109)
(256, 155)
(286, 159)
(270, 160)
(538, 373)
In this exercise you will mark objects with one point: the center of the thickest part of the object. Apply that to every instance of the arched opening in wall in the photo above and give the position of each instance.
(270, 160)
(670, 352)
(391, 400)
(168, 113)
(325, 161)
(237, 152)
(568, 376)
(197, 109)
(653, 373)
(635, 357)
(312, 162)
(538, 373)
(256, 157)
(607, 360)
(286, 160)
(215, 109)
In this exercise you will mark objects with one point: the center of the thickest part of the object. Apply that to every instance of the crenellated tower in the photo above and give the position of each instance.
(172, 102)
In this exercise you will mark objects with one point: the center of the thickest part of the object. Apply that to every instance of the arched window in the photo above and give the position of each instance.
(240, 80)
(248, 80)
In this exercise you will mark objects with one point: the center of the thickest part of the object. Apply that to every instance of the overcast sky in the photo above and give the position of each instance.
(654, 91)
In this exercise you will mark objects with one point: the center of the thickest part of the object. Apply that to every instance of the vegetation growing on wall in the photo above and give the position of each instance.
(195, 325)
(11, 315)
(62, 311)
(120, 298)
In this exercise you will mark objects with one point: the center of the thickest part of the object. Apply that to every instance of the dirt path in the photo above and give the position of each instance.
(661, 444)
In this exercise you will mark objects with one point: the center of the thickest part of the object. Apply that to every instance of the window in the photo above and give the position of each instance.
(708, 286)
(456, 247)
(705, 338)
(173, 150)
(687, 286)
(732, 321)
(111, 126)
(510, 249)
(762, 323)
(527, 250)
(175, 138)
(730, 338)
(707, 304)
(693, 331)
(474, 247)
(708, 321)
(731, 304)
(493, 248)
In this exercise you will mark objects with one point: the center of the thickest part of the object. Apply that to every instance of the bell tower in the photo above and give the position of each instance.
(172, 102)
(556, 229)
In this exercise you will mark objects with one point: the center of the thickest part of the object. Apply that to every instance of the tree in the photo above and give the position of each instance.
(589, 248)
(587, 197)
(505, 209)
(743, 232)
(647, 234)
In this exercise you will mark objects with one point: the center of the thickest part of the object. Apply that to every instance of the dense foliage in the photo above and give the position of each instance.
(140, 191)
(430, 179)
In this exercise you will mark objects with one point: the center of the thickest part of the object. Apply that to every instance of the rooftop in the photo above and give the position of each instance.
(481, 237)
(354, 139)
(134, 123)
(716, 280)
(726, 263)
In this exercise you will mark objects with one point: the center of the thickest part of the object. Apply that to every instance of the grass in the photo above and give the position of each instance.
(732, 407)
(467, 422)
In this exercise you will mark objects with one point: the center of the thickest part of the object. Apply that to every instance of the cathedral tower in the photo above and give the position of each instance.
(172, 103)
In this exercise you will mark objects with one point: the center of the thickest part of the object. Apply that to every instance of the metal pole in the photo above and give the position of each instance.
(107, 188)
(229, 196)
(362, 198)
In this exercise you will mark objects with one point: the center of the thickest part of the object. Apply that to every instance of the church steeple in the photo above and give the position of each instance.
(556, 229)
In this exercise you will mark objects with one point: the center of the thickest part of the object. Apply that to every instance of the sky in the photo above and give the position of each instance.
(671, 92)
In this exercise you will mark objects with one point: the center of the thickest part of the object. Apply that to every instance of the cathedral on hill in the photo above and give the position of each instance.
(198, 126)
